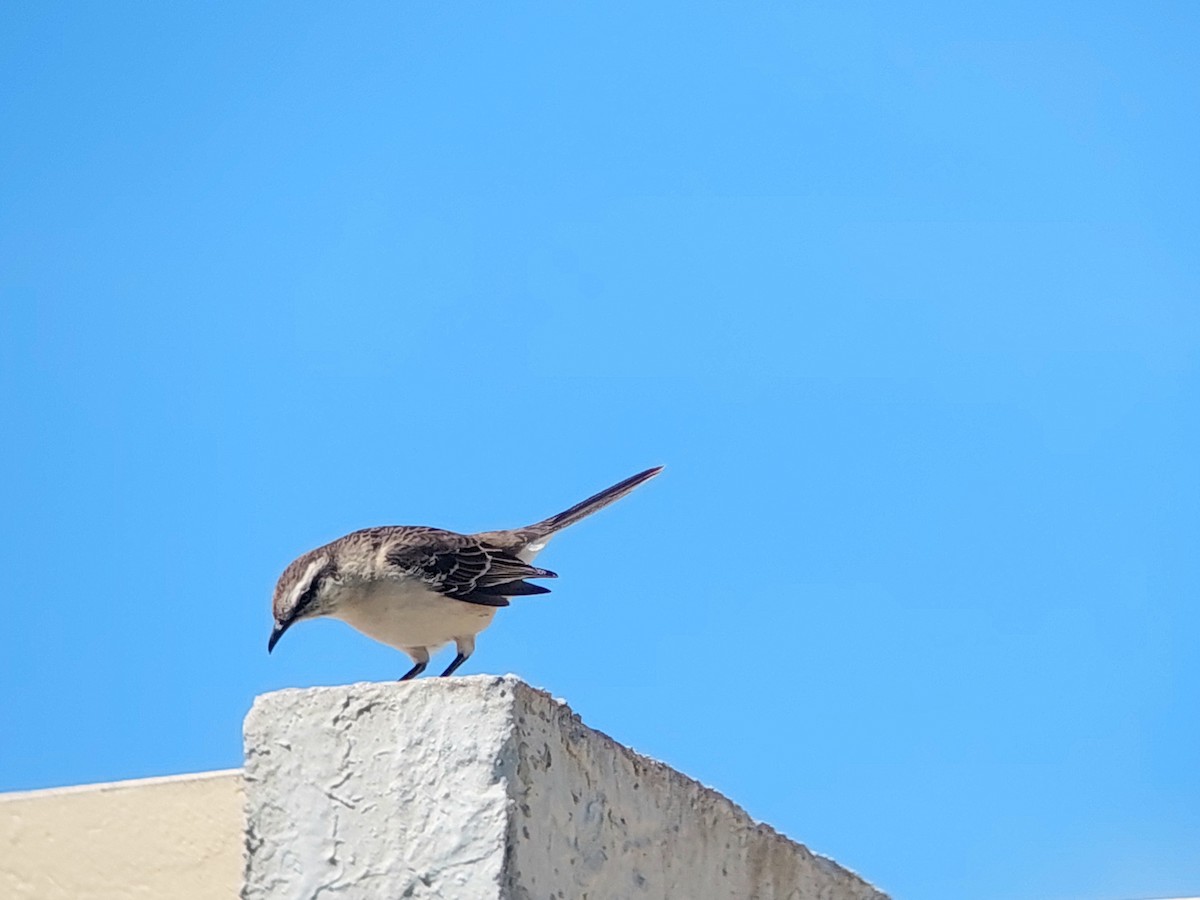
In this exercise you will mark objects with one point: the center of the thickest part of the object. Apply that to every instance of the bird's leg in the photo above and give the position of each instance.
(420, 656)
(414, 671)
(465, 646)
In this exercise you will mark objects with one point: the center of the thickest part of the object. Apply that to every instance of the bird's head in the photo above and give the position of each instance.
(303, 592)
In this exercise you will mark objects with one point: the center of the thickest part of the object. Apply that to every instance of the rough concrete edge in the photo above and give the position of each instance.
(505, 769)
(568, 720)
(504, 766)
(101, 787)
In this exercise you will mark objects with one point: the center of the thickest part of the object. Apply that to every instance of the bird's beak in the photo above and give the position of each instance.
(276, 634)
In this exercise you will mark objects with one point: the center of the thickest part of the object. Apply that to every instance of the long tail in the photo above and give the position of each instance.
(527, 542)
(596, 502)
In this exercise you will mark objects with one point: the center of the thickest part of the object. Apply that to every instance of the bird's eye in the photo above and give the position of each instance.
(307, 597)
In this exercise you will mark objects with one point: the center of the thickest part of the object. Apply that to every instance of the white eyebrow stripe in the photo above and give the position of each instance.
(305, 580)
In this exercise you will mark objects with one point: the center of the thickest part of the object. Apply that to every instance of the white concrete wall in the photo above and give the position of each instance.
(482, 787)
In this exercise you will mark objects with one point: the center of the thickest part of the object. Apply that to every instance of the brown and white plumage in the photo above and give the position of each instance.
(417, 588)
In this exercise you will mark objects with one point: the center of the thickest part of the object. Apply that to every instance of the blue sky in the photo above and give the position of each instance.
(904, 298)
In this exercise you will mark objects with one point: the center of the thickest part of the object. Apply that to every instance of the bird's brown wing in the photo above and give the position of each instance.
(464, 567)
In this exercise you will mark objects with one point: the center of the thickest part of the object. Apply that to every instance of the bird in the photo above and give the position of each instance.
(417, 588)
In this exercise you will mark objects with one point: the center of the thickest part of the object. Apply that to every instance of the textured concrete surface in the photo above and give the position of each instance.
(483, 787)
(176, 837)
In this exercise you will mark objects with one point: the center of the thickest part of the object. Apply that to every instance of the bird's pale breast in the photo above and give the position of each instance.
(403, 613)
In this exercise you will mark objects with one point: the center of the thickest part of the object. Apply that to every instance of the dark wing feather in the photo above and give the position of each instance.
(465, 568)
(512, 589)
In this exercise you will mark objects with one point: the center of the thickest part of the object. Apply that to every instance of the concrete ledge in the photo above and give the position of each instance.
(483, 787)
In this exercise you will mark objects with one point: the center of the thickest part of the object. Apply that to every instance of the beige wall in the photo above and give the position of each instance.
(178, 837)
